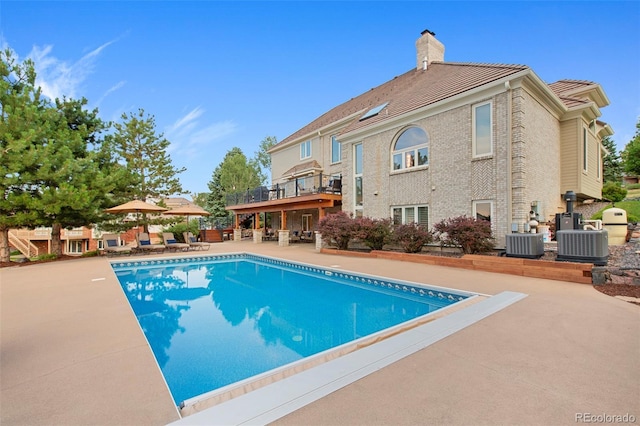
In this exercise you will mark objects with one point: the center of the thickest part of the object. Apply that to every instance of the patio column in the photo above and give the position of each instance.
(283, 215)
(283, 237)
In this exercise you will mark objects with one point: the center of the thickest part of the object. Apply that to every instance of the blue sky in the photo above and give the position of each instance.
(217, 75)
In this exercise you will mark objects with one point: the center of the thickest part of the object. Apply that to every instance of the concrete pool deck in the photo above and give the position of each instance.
(72, 353)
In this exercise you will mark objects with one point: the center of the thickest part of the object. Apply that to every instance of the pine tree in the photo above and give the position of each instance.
(146, 157)
(21, 130)
(145, 154)
(611, 163)
(631, 153)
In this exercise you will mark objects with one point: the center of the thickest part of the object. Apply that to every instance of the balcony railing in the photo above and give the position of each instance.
(298, 187)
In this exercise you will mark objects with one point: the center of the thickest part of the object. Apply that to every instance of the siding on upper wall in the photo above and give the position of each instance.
(286, 158)
(542, 158)
(591, 183)
(570, 156)
(573, 177)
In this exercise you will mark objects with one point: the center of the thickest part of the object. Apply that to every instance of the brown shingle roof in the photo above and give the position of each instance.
(302, 168)
(410, 91)
(567, 89)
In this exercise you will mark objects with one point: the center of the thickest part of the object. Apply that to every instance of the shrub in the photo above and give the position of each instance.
(613, 192)
(471, 235)
(374, 233)
(411, 237)
(90, 253)
(338, 228)
(47, 256)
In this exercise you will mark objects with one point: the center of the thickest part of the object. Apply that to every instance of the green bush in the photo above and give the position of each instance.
(92, 253)
(179, 228)
(338, 229)
(374, 233)
(411, 237)
(471, 235)
(48, 256)
(613, 192)
(633, 186)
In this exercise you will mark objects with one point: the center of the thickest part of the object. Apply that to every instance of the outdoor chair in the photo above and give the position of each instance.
(111, 245)
(307, 236)
(144, 244)
(294, 237)
(171, 243)
(193, 243)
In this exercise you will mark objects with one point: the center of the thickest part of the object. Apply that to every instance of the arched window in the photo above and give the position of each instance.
(411, 149)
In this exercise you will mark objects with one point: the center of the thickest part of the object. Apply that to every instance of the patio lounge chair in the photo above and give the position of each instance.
(171, 243)
(111, 245)
(193, 243)
(144, 244)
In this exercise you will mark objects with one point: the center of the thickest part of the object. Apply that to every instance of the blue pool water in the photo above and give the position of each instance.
(215, 320)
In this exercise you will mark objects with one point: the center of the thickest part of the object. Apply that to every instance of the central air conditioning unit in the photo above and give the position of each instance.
(530, 246)
(583, 246)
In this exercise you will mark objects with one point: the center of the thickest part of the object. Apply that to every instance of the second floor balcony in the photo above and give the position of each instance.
(298, 187)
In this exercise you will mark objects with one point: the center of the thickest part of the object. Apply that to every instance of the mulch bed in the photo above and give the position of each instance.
(619, 290)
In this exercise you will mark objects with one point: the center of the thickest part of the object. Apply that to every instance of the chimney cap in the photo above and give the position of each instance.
(427, 31)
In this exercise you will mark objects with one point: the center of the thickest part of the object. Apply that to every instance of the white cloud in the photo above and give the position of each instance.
(58, 78)
(117, 86)
(189, 137)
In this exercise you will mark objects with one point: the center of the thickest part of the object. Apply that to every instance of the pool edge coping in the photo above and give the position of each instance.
(276, 400)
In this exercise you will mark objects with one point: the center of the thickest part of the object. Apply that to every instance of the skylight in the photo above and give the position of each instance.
(373, 111)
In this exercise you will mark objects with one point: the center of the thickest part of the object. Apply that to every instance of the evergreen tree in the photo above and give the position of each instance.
(22, 129)
(631, 153)
(76, 176)
(145, 155)
(611, 163)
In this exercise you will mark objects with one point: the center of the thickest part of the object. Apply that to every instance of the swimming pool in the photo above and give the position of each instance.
(214, 321)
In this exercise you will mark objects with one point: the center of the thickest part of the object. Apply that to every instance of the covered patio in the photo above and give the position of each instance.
(295, 208)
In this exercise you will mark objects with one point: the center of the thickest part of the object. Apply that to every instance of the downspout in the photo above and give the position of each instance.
(507, 86)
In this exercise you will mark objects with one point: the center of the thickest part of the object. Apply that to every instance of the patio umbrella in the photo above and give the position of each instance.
(136, 206)
(188, 210)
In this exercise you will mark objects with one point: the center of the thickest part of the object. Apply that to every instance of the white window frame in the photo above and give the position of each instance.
(74, 246)
(415, 212)
(474, 209)
(474, 130)
(336, 150)
(409, 152)
(305, 150)
(358, 208)
(306, 222)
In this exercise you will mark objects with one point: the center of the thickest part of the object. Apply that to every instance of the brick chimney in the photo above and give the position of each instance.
(429, 49)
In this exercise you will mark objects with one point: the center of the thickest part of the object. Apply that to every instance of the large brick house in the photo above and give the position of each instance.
(444, 139)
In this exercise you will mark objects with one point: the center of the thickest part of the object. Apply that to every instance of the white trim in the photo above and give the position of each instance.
(474, 210)
(305, 149)
(474, 108)
(334, 138)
